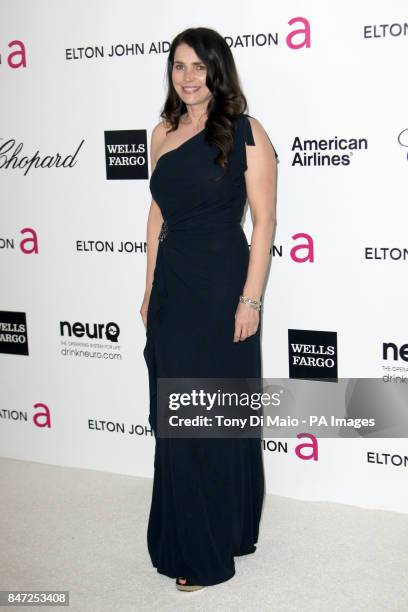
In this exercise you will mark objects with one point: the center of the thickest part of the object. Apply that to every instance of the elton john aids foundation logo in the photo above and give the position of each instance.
(312, 354)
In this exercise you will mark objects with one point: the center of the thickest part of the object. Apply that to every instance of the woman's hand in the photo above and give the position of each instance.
(246, 321)
(145, 306)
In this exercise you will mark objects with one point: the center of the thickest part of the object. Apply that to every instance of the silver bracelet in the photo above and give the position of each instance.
(253, 303)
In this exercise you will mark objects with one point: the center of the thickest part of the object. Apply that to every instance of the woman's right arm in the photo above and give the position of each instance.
(154, 223)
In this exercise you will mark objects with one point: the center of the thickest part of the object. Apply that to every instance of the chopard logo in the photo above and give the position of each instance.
(12, 157)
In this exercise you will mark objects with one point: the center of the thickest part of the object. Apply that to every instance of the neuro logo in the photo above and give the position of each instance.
(393, 352)
(93, 331)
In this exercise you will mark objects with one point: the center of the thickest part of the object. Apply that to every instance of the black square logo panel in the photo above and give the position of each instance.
(312, 354)
(126, 155)
(13, 333)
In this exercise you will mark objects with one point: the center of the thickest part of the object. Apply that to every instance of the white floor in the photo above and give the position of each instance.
(85, 531)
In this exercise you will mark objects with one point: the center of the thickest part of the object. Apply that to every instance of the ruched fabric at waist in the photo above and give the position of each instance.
(194, 230)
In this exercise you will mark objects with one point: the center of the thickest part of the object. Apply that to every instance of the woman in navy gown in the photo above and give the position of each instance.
(201, 306)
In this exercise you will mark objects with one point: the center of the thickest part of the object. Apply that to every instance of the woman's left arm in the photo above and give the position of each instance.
(260, 179)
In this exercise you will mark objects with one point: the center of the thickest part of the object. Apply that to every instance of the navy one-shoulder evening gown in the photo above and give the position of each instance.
(207, 493)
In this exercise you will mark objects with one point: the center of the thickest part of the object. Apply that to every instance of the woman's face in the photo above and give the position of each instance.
(189, 76)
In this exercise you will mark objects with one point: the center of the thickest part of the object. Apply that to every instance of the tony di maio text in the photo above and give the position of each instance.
(275, 421)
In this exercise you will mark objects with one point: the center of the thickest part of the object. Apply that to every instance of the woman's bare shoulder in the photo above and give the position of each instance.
(161, 128)
(159, 133)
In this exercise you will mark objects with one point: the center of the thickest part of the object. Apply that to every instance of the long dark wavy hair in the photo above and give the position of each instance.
(222, 80)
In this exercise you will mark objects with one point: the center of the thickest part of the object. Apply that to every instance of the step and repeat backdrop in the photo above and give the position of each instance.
(83, 85)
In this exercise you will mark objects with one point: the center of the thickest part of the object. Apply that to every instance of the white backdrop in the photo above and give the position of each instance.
(344, 79)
